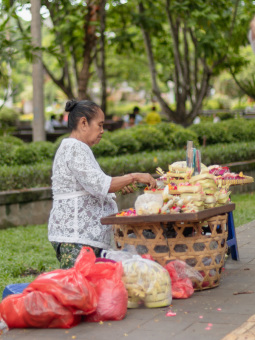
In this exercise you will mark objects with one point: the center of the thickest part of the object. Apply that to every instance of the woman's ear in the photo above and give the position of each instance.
(83, 122)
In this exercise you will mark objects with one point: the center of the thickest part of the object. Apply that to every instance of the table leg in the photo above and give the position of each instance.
(232, 241)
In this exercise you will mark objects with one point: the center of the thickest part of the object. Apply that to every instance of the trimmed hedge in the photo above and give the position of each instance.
(25, 176)
(39, 175)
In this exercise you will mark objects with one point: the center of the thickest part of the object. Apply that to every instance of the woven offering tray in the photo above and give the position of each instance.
(199, 239)
(244, 180)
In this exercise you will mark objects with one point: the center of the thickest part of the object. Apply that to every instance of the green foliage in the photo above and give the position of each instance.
(24, 250)
(39, 174)
(125, 141)
(25, 176)
(225, 115)
(11, 140)
(245, 208)
(44, 150)
(6, 153)
(213, 132)
(25, 155)
(8, 117)
(104, 148)
(149, 137)
(212, 104)
(168, 129)
(148, 161)
(180, 138)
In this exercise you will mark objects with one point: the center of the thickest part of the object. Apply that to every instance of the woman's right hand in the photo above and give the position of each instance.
(146, 179)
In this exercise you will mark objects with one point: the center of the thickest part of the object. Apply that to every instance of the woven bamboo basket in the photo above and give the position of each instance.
(201, 245)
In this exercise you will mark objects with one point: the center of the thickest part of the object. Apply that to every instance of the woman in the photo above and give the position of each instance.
(82, 192)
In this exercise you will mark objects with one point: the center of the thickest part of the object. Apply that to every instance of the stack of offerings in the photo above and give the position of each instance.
(179, 172)
(193, 197)
(146, 282)
(208, 183)
(222, 196)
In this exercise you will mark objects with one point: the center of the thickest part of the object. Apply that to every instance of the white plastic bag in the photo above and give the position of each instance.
(148, 204)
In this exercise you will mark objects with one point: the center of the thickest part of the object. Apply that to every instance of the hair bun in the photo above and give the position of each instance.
(70, 105)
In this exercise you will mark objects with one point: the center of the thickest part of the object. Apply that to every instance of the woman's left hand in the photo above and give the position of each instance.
(128, 189)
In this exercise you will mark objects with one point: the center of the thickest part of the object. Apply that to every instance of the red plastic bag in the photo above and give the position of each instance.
(147, 257)
(111, 291)
(181, 274)
(69, 286)
(36, 309)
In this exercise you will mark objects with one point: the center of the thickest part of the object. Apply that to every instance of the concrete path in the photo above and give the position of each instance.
(211, 314)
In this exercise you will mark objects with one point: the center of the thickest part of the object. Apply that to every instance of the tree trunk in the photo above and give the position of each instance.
(164, 107)
(89, 43)
(102, 55)
(37, 73)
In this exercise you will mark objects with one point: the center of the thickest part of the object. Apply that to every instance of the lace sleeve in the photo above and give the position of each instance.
(87, 172)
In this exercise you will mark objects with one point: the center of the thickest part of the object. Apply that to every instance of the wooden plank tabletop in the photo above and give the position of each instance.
(182, 217)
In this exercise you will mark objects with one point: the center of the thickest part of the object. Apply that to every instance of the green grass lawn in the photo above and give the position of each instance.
(26, 251)
(245, 208)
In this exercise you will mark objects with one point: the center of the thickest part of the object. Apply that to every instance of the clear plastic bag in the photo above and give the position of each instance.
(146, 282)
(3, 327)
(148, 204)
(124, 254)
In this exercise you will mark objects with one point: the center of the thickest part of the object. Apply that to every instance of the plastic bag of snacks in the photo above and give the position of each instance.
(148, 204)
(148, 282)
(181, 274)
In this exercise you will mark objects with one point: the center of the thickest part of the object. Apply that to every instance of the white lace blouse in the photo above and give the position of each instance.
(80, 197)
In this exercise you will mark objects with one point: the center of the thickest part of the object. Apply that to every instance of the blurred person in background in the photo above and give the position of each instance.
(153, 117)
(138, 117)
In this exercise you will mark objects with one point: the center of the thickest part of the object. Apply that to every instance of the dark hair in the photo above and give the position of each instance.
(78, 109)
(136, 109)
(131, 116)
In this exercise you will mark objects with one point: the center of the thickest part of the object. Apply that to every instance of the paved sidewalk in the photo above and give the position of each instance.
(213, 314)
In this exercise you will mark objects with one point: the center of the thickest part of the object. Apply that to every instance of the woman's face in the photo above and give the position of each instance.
(95, 129)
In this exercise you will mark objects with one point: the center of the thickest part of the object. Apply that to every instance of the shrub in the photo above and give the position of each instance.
(39, 174)
(11, 140)
(225, 115)
(150, 137)
(7, 153)
(25, 155)
(104, 148)
(213, 132)
(124, 141)
(44, 150)
(168, 129)
(8, 117)
(180, 138)
(25, 176)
